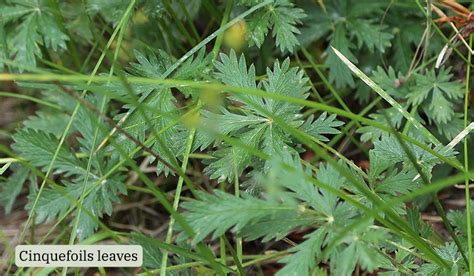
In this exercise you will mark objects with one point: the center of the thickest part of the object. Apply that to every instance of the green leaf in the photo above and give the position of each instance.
(152, 255)
(453, 127)
(416, 222)
(39, 147)
(150, 65)
(51, 204)
(322, 125)
(87, 122)
(389, 149)
(226, 123)
(54, 202)
(97, 203)
(234, 72)
(344, 262)
(160, 105)
(258, 115)
(282, 16)
(27, 48)
(11, 188)
(53, 37)
(338, 71)
(10, 13)
(259, 27)
(370, 34)
(394, 84)
(360, 250)
(216, 213)
(458, 220)
(397, 183)
(37, 28)
(302, 261)
(287, 81)
(234, 159)
(285, 17)
(437, 93)
(371, 133)
(49, 122)
(386, 179)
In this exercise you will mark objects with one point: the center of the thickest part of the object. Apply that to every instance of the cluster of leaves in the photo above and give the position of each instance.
(33, 24)
(434, 94)
(282, 17)
(36, 143)
(343, 237)
(251, 121)
(350, 27)
(256, 123)
(252, 124)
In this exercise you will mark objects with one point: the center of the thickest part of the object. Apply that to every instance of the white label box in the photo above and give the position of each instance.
(79, 255)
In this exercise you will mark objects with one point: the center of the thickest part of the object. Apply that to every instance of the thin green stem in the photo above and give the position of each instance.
(237, 261)
(225, 19)
(182, 6)
(178, 22)
(326, 82)
(179, 187)
(427, 30)
(222, 244)
(466, 163)
(237, 194)
(440, 32)
(313, 87)
(29, 98)
(407, 125)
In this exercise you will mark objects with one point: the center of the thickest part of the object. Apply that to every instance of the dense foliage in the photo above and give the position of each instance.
(247, 136)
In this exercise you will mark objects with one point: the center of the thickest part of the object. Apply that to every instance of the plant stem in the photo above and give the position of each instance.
(189, 19)
(225, 19)
(179, 187)
(178, 23)
(237, 194)
(327, 83)
(428, 30)
(466, 163)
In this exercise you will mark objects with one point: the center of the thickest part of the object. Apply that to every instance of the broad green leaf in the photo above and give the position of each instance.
(11, 188)
(39, 147)
(218, 212)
